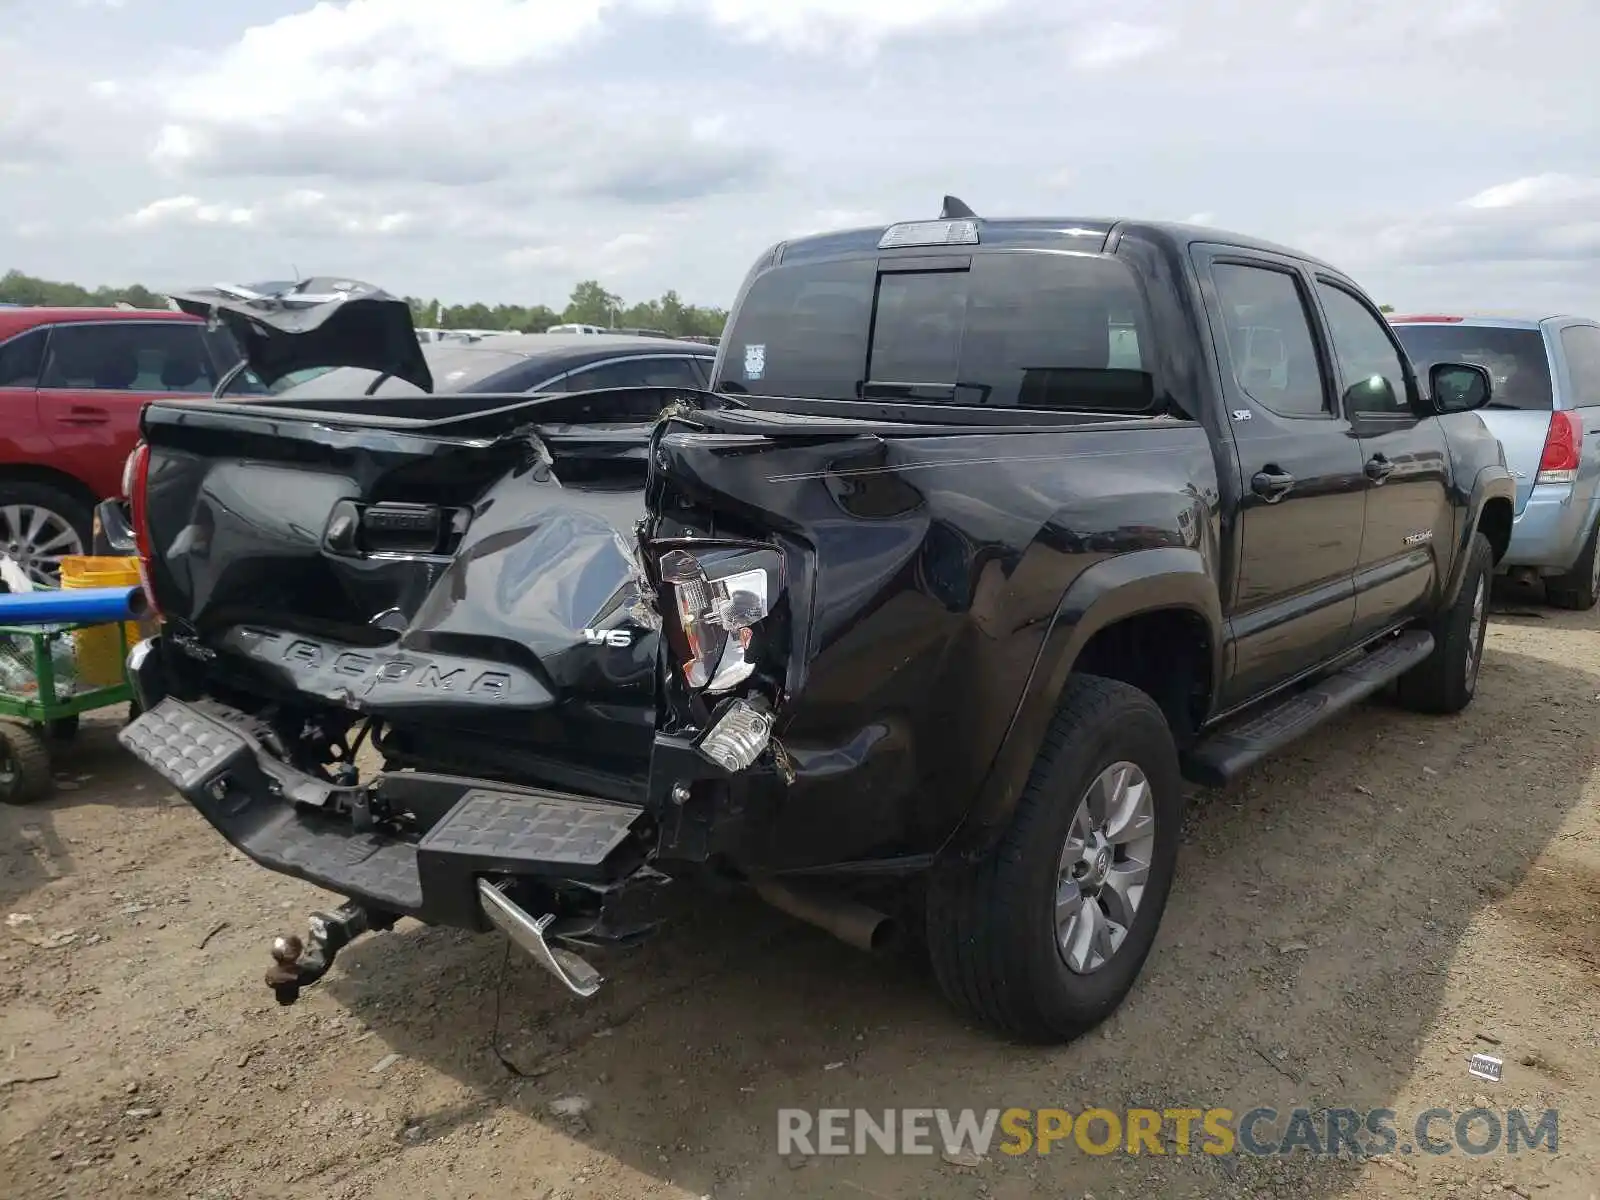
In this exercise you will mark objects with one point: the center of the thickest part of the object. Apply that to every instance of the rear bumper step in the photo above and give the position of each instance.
(490, 850)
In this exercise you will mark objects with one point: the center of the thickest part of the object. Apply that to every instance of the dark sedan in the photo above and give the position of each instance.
(529, 362)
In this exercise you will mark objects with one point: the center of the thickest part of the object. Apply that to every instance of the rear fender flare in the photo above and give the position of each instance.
(1142, 581)
(1493, 483)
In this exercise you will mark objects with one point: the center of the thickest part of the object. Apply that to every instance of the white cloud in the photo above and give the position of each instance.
(1531, 243)
(843, 218)
(823, 24)
(337, 56)
(172, 210)
(1551, 219)
(1413, 19)
(613, 254)
(374, 54)
(1538, 190)
(1115, 43)
(303, 212)
(355, 90)
(548, 256)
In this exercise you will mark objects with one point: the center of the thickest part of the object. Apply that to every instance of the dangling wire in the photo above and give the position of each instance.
(499, 996)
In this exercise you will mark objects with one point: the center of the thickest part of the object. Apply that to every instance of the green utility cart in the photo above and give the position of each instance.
(34, 712)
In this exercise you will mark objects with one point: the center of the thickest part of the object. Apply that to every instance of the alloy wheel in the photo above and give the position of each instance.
(38, 539)
(1104, 867)
(1475, 630)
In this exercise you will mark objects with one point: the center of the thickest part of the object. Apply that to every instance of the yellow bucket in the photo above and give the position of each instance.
(99, 648)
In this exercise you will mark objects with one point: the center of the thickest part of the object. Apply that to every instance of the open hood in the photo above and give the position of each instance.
(319, 322)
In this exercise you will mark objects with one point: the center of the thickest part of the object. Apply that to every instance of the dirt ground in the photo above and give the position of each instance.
(1350, 923)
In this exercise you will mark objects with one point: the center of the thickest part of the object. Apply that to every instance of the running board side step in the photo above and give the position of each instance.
(1222, 756)
(577, 976)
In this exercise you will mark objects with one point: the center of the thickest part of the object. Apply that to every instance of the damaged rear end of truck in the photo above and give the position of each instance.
(406, 650)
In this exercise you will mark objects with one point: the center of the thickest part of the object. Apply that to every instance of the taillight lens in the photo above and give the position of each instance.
(717, 599)
(1563, 446)
(135, 486)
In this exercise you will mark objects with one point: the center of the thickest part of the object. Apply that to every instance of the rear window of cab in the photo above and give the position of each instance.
(1014, 329)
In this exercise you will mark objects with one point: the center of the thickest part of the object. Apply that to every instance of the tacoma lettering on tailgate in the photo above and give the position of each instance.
(384, 676)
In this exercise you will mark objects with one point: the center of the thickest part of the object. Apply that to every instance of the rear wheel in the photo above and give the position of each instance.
(1446, 680)
(1579, 588)
(24, 765)
(1045, 936)
(39, 525)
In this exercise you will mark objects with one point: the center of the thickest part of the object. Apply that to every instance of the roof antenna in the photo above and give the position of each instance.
(955, 210)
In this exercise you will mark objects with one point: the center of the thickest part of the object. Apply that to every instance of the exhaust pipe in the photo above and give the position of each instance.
(852, 923)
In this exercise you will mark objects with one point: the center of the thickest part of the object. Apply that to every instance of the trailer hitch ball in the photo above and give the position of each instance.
(283, 977)
(286, 950)
(296, 965)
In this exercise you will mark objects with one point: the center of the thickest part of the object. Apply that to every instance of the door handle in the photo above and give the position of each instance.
(1379, 468)
(1271, 484)
(83, 414)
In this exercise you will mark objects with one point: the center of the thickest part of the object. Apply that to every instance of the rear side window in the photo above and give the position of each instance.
(1581, 345)
(1269, 343)
(639, 372)
(131, 356)
(456, 367)
(20, 360)
(802, 331)
(1015, 330)
(1516, 359)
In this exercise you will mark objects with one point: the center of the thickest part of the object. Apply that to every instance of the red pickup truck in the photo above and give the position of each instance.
(72, 384)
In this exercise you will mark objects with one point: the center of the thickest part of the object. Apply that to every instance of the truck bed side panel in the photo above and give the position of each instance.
(937, 566)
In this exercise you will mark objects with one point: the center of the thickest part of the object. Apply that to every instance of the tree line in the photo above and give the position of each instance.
(17, 288)
(589, 304)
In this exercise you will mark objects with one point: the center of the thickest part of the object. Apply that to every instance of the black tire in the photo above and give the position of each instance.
(62, 503)
(991, 925)
(1446, 680)
(24, 765)
(1579, 588)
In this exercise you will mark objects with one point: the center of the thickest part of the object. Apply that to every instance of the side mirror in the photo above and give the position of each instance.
(1459, 387)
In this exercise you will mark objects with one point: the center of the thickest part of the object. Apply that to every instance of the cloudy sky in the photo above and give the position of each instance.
(1447, 152)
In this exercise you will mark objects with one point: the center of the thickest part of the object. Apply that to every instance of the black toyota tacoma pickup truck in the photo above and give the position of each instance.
(988, 534)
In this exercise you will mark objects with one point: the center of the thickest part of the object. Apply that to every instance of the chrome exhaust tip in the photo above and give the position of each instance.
(577, 976)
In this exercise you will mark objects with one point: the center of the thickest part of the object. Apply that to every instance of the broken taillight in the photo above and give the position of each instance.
(723, 626)
(716, 598)
(136, 486)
